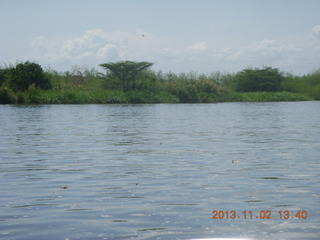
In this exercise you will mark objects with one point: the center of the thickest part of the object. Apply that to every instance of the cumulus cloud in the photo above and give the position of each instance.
(109, 51)
(93, 47)
(94, 43)
(44, 49)
(96, 46)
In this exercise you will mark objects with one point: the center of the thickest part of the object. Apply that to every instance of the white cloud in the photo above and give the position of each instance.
(41, 45)
(43, 49)
(265, 52)
(271, 49)
(94, 43)
(316, 31)
(198, 47)
(92, 48)
(97, 46)
(315, 38)
(109, 51)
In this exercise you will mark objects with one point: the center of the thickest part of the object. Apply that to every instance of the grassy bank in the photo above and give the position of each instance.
(84, 86)
(115, 96)
(267, 97)
(308, 85)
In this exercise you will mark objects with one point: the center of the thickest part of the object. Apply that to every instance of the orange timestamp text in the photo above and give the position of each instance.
(262, 214)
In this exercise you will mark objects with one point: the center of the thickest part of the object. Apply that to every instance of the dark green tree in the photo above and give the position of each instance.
(26, 74)
(258, 80)
(126, 72)
(2, 76)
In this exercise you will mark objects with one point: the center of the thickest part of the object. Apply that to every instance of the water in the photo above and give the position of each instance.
(159, 171)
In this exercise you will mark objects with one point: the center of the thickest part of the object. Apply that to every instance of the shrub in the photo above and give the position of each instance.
(307, 84)
(26, 74)
(2, 76)
(258, 80)
(7, 96)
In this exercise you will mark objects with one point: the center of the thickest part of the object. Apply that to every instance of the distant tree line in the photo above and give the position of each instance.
(134, 82)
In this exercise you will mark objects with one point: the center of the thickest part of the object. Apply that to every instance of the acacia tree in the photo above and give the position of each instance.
(126, 72)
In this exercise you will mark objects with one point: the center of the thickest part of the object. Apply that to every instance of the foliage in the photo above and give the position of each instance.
(3, 73)
(308, 84)
(26, 74)
(80, 75)
(265, 97)
(7, 96)
(127, 72)
(147, 81)
(254, 80)
(39, 96)
(192, 88)
(81, 85)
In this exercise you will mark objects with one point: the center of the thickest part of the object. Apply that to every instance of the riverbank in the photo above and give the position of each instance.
(37, 96)
(84, 86)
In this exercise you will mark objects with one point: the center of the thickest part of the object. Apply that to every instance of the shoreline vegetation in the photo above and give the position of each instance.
(133, 82)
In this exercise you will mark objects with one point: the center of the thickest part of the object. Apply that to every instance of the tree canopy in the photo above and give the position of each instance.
(26, 74)
(258, 80)
(127, 72)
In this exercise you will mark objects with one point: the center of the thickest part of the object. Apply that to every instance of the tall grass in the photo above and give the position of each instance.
(308, 85)
(81, 85)
(70, 97)
(266, 97)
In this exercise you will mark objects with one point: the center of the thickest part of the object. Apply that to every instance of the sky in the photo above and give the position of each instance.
(202, 36)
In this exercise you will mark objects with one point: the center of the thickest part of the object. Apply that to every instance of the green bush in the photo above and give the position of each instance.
(27, 83)
(26, 74)
(258, 80)
(308, 84)
(147, 80)
(3, 76)
(7, 96)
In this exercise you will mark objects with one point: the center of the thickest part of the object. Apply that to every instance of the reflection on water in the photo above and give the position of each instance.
(158, 171)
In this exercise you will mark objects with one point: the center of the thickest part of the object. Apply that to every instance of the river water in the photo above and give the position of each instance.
(159, 171)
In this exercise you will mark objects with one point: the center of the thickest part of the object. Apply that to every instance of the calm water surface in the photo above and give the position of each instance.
(158, 171)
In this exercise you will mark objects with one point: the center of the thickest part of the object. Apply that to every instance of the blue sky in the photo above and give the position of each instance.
(177, 35)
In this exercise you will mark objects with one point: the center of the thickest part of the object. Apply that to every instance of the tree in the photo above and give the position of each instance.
(26, 74)
(127, 72)
(3, 73)
(254, 80)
